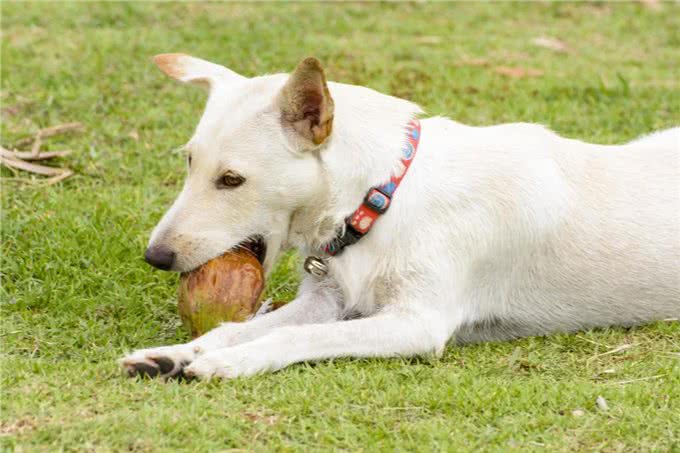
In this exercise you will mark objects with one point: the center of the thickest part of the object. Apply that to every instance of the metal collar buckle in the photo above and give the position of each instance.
(316, 266)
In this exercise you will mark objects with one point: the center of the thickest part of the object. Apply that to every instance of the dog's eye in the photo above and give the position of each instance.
(189, 160)
(229, 180)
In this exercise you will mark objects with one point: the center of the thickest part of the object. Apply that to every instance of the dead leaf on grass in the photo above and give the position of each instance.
(651, 4)
(17, 427)
(428, 39)
(12, 110)
(601, 403)
(261, 418)
(518, 73)
(473, 62)
(551, 43)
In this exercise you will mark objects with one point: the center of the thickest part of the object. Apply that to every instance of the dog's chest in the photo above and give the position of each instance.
(365, 287)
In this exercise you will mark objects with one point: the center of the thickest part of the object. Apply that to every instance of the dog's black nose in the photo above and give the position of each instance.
(160, 257)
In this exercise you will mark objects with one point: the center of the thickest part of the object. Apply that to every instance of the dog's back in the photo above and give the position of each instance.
(575, 235)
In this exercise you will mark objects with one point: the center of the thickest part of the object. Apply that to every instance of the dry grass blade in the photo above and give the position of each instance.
(65, 173)
(518, 73)
(35, 148)
(551, 43)
(635, 380)
(51, 132)
(61, 128)
(623, 347)
(32, 168)
(616, 350)
(473, 62)
(28, 155)
(428, 39)
(21, 160)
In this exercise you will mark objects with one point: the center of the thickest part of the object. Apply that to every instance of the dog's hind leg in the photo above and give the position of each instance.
(314, 304)
(390, 333)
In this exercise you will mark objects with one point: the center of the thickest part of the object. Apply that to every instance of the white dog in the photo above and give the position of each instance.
(494, 233)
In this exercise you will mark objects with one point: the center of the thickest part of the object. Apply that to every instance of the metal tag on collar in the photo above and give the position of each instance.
(316, 266)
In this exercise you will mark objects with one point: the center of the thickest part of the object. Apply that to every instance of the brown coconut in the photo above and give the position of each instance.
(225, 289)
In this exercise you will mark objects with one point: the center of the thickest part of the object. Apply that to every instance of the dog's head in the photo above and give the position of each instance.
(251, 162)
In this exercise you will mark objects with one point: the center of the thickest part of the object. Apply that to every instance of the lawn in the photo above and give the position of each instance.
(76, 293)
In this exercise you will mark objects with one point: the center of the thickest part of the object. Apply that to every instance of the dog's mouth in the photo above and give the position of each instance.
(256, 246)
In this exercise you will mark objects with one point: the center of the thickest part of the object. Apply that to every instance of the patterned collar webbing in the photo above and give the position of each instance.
(377, 200)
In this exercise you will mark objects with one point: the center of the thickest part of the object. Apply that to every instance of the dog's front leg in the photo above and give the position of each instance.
(387, 334)
(315, 304)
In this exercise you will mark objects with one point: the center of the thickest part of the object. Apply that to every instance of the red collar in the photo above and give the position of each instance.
(376, 203)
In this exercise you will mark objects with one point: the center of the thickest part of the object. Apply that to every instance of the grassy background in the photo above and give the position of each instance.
(76, 293)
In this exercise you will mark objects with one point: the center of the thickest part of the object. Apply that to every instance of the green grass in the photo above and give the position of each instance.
(76, 293)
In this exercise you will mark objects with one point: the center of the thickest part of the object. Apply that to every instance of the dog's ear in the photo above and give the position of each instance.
(306, 103)
(193, 70)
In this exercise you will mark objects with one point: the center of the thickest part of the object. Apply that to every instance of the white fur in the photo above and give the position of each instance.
(495, 233)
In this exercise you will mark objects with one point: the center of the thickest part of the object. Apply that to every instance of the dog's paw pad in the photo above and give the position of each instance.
(142, 369)
(165, 364)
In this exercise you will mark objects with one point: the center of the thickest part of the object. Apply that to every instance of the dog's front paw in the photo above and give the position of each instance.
(164, 361)
(228, 363)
